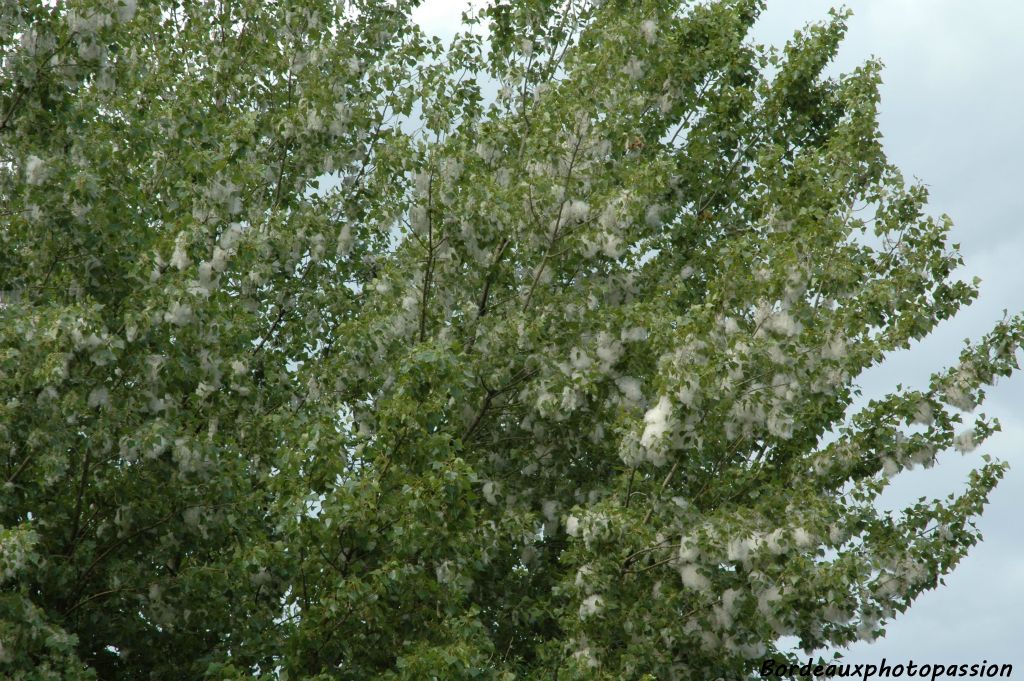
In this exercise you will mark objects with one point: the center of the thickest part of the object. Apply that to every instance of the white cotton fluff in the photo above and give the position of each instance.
(179, 258)
(834, 349)
(571, 401)
(738, 550)
(923, 413)
(550, 509)
(767, 598)
(774, 541)
(126, 10)
(595, 527)
(545, 402)
(836, 615)
(206, 273)
(422, 182)
(591, 606)
(630, 388)
(223, 192)
(611, 244)
(572, 526)
(261, 578)
(155, 592)
(964, 442)
(342, 115)
(36, 43)
(608, 349)
(204, 389)
(78, 210)
(836, 535)
(344, 240)
(316, 247)
(630, 451)
(584, 655)
(784, 324)
(724, 613)
(486, 152)
(913, 571)
(865, 631)
(314, 122)
(178, 314)
(729, 598)
(451, 170)
(960, 398)
(657, 422)
(687, 394)
(634, 69)
(650, 31)
(657, 457)
(419, 219)
(157, 404)
(802, 538)
(490, 491)
(218, 262)
(99, 397)
(780, 425)
(35, 170)
(443, 572)
(576, 211)
(692, 579)
(653, 215)
(633, 334)
(609, 218)
(752, 651)
(579, 359)
(582, 576)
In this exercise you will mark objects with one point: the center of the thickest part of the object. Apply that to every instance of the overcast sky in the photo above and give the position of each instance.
(951, 117)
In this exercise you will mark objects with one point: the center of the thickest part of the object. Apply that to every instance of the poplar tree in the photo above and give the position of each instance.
(332, 350)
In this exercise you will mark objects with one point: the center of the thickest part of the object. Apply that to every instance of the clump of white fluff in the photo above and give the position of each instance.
(35, 170)
(738, 550)
(576, 211)
(802, 538)
(591, 606)
(650, 31)
(179, 258)
(964, 442)
(609, 350)
(692, 579)
(178, 314)
(687, 550)
(490, 491)
(99, 397)
(657, 422)
(630, 388)
(923, 414)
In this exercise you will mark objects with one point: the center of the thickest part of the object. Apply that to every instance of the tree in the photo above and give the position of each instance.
(320, 363)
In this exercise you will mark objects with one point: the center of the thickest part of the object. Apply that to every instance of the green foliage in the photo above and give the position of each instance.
(317, 362)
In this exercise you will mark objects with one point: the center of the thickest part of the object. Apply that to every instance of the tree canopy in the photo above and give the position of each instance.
(332, 350)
